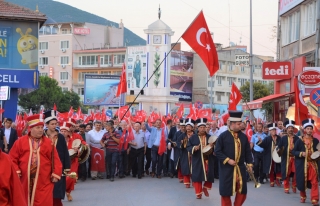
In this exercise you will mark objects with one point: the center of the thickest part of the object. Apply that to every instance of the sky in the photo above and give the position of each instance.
(179, 14)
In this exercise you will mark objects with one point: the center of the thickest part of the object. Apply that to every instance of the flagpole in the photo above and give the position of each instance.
(149, 78)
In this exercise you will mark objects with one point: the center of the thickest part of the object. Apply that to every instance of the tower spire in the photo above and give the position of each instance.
(159, 12)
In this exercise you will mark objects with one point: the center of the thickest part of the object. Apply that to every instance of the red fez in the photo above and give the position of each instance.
(35, 120)
(66, 126)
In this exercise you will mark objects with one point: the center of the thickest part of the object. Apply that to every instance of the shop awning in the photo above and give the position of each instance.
(257, 104)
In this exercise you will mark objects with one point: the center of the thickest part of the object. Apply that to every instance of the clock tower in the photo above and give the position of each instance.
(157, 91)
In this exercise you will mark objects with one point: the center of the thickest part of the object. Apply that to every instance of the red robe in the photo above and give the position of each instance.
(70, 182)
(11, 191)
(21, 154)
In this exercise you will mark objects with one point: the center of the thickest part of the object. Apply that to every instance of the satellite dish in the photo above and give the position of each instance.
(232, 43)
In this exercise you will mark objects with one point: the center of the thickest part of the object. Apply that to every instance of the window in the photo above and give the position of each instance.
(231, 80)
(106, 72)
(43, 74)
(309, 18)
(64, 60)
(81, 91)
(64, 45)
(242, 69)
(43, 45)
(219, 95)
(64, 89)
(117, 73)
(105, 60)
(118, 59)
(63, 76)
(81, 75)
(88, 60)
(290, 28)
(219, 78)
(220, 65)
(242, 81)
(64, 31)
(43, 61)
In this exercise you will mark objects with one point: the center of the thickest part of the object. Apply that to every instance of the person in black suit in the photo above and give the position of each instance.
(172, 170)
(10, 133)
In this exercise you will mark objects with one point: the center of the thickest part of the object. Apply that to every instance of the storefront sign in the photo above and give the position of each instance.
(81, 31)
(4, 93)
(310, 77)
(276, 70)
(242, 60)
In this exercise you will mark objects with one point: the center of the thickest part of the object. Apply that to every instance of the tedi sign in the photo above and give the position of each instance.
(276, 70)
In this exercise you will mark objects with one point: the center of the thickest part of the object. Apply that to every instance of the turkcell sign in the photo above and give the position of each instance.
(276, 70)
(19, 78)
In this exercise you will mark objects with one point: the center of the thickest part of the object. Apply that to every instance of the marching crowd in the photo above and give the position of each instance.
(46, 163)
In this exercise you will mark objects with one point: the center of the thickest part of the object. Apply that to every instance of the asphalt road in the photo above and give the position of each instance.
(169, 192)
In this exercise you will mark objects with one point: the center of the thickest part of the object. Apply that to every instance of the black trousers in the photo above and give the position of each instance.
(82, 170)
(216, 167)
(123, 162)
(111, 159)
(136, 159)
(148, 158)
(157, 160)
(258, 165)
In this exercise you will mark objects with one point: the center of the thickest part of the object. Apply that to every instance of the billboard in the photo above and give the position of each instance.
(136, 67)
(101, 90)
(181, 75)
(18, 54)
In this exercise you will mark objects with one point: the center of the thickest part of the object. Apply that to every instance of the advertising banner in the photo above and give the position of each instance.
(102, 90)
(276, 70)
(181, 75)
(18, 53)
(136, 67)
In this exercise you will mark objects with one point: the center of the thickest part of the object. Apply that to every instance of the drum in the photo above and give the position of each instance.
(318, 146)
(72, 153)
(315, 155)
(212, 139)
(207, 150)
(84, 153)
(276, 158)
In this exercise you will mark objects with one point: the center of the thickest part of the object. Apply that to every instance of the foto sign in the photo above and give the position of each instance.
(4, 93)
(276, 70)
(242, 60)
(310, 77)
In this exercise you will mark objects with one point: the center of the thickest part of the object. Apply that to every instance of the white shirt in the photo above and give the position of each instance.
(215, 133)
(94, 138)
(7, 133)
(139, 138)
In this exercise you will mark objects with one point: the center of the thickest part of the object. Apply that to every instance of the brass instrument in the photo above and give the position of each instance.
(256, 184)
(185, 142)
(173, 143)
(72, 175)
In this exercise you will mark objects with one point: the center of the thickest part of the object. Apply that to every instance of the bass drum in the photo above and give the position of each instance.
(276, 158)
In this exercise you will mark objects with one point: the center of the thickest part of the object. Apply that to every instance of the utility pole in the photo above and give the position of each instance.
(251, 57)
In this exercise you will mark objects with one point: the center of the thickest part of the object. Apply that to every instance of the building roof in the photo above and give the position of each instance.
(50, 21)
(15, 12)
(159, 25)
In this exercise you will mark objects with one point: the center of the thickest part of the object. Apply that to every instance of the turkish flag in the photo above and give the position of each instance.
(130, 137)
(97, 160)
(193, 113)
(249, 131)
(205, 113)
(54, 107)
(180, 111)
(122, 86)
(162, 145)
(70, 113)
(235, 97)
(301, 109)
(121, 113)
(199, 38)
(316, 128)
(223, 119)
(153, 117)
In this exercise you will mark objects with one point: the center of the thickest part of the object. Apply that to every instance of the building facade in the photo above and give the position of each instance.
(58, 41)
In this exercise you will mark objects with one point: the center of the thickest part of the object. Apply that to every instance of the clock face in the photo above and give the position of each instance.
(157, 39)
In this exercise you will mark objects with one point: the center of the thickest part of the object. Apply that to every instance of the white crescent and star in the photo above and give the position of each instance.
(301, 99)
(94, 157)
(198, 35)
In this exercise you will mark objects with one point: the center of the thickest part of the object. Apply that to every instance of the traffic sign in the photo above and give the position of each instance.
(198, 104)
(315, 97)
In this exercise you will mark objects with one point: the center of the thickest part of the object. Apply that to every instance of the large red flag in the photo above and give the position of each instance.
(301, 109)
(70, 113)
(97, 160)
(162, 145)
(223, 119)
(235, 97)
(199, 38)
(122, 86)
(249, 131)
(121, 111)
(54, 107)
(205, 113)
(193, 113)
(180, 111)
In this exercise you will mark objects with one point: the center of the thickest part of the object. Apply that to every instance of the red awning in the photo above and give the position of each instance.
(257, 104)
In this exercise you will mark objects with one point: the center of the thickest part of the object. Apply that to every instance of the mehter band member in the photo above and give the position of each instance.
(233, 151)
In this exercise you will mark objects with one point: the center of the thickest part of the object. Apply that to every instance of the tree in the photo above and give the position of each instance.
(47, 94)
(259, 90)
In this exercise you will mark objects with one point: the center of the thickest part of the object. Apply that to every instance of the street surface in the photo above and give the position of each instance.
(149, 191)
